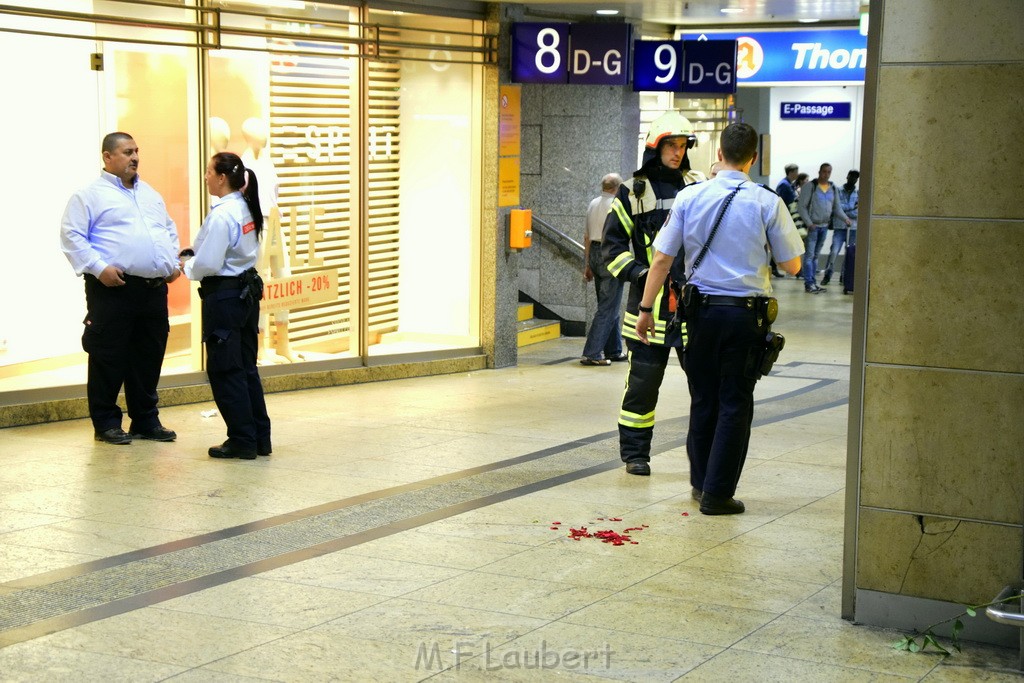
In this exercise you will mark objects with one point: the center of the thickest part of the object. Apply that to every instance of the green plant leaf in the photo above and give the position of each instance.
(971, 612)
(958, 627)
(902, 644)
(930, 640)
(914, 647)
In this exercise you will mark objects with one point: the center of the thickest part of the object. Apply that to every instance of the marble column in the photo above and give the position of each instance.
(936, 480)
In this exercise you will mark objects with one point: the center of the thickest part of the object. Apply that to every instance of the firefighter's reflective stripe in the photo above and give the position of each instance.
(621, 214)
(628, 419)
(655, 336)
(619, 263)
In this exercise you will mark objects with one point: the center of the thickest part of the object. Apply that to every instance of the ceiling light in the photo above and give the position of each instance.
(731, 10)
(608, 12)
(808, 21)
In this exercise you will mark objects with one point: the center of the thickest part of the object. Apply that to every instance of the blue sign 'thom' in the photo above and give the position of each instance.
(795, 56)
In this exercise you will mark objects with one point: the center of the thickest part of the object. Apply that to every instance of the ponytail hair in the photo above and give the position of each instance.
(243, 179)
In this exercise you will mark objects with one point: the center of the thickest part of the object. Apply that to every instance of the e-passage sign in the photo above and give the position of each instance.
(815, 110)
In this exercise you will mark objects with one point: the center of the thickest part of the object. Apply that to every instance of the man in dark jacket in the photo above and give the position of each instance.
(638, 211)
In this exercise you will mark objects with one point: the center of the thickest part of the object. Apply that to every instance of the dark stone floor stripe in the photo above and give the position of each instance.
(95, 590)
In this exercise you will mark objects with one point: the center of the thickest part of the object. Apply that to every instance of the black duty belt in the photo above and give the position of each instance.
(150, 282)
(134, 280)
(748, 302)
(215, 283)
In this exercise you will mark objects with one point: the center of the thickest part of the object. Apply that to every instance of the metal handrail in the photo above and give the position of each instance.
(1010, 593)
(564, 242)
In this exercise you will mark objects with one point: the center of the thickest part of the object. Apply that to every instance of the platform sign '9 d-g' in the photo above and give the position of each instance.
(658, 65)
(707, 66)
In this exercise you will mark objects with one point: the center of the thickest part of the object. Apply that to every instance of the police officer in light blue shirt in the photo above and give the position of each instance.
(728, 229)
(224, 263)
(118, 235)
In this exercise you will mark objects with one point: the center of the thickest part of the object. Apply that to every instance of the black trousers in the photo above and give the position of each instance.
(125, 336)
(231, 334)
(636, 418)
(720, 357)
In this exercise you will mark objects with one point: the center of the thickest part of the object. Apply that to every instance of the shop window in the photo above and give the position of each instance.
(372, 129)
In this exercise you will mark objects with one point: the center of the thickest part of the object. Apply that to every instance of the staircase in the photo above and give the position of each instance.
(534, 330)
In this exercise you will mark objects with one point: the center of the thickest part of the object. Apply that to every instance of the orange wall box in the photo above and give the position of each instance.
(521, 228)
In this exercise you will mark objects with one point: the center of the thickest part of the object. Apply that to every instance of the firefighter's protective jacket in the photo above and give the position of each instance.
(638, 212)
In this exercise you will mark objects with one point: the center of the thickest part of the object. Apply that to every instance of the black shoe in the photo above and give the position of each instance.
(696, 494)
(158, 433)
(638, 467)
(229, 450)
(114, 435)
(621, 358)
(827, 279)
(263, 448)
(711, 504)
(813, 289)
(776, 273)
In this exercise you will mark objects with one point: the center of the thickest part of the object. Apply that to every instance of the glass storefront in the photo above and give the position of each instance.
(363, 128)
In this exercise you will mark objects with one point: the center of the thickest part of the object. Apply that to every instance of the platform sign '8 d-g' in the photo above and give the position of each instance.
(599, 53)
(540, 53)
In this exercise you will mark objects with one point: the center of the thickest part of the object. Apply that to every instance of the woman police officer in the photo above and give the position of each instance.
(224, 263)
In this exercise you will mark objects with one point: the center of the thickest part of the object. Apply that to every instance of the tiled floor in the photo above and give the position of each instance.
(402, 531)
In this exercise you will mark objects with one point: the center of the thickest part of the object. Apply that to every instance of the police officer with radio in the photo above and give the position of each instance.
(727, 229)
(637, 214)
(225, 265)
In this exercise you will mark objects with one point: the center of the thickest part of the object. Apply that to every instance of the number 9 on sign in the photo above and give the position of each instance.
(657, 65)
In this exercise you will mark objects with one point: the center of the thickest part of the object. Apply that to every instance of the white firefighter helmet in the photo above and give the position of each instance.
(670, 125)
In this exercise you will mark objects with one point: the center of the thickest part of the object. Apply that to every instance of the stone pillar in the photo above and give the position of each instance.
(573, 135)
(936, 481)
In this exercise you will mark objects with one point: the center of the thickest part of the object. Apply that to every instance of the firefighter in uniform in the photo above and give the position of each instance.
(638, 211)
(728, 308)
(225, 265)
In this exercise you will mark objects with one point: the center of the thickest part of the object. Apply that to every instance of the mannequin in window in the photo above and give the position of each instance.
(273, 258)
(220, 134)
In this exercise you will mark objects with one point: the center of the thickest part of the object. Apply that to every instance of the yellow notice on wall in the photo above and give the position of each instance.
(508, 181)
(281, 294)
(509, 116)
